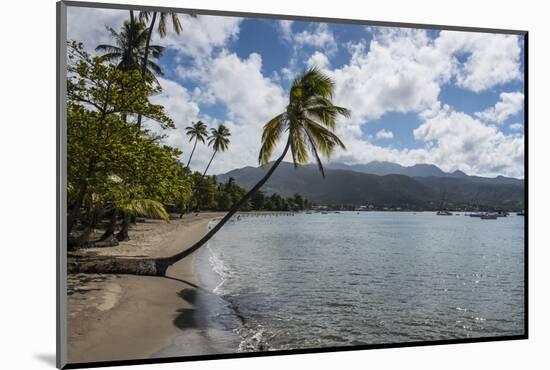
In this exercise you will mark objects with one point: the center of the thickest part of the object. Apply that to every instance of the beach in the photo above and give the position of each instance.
(120, 317)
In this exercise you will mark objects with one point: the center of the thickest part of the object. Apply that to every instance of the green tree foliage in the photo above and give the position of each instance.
(219, 141)
(130, 48)
(111, 163)
(196, 132)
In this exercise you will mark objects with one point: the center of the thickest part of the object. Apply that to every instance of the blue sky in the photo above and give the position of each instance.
(454, 99)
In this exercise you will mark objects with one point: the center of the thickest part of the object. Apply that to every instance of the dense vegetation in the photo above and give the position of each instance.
(119, 169)
(221, 196)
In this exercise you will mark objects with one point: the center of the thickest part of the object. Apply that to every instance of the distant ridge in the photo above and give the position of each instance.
(421, 186)
(382, 168)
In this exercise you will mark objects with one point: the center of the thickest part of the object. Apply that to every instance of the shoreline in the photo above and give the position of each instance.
(120, 317)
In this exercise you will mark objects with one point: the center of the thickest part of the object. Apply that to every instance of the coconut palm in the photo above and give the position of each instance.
(130, 48)
(219, 140)
(307, 126)
(197, 132)
(309, 122)
(144, 18)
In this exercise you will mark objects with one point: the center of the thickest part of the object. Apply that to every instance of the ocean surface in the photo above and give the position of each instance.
(339, 279)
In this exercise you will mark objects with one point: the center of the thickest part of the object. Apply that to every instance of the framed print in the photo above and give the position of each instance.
(235, 185)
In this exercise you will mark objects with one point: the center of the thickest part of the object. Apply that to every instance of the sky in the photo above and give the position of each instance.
(449, 98)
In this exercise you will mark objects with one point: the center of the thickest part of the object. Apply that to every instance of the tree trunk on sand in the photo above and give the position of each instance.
(123, 233)
(146, 57)
(84, 237)
(76, 207)
(158, 266)
(111, 227)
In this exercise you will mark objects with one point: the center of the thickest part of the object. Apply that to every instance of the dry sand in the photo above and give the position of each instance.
(121, 317)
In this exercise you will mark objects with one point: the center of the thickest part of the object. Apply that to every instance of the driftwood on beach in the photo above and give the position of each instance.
(118, 265)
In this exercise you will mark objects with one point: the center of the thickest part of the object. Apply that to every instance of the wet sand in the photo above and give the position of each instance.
(120, 317)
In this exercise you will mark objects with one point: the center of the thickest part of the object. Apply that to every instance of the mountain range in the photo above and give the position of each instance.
(385, 184)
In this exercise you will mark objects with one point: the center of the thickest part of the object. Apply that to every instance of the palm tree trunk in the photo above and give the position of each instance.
(123, 233)
(158, 266)
(146, 56)
(202, 179)
(208, 166)
(111, 227)
(96, 214)
(76, 207)
(192, 151)
(234, 209)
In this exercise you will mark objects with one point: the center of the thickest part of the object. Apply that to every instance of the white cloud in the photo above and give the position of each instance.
(509, 105)
(286, 29)
(384, 135)
(459, 141)
(320, 37)
(319, 60)
(516, 127)
(452, 140)
(240, 85)
(180, 107)
(401, 71)
(491, 59)
(201, 35)
(87, 25)
(251, 99)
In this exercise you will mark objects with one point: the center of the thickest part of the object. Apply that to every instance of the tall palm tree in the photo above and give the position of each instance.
(198, 132)
(219, 140)
(144, 17)
(129, 48)
(308, 123)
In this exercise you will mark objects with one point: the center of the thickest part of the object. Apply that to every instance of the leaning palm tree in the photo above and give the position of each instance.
(219, 140)
(307, 126)
(129, 48)
(197, 132)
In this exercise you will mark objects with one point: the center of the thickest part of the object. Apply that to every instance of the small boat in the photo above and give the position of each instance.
(489, 216)
(521, 213)
(476, 214)
(502, 214)
(444, 213)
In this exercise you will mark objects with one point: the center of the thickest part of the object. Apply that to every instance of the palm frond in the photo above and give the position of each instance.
(145, 208)
(270, 136)
(176, 23)
(162, 25)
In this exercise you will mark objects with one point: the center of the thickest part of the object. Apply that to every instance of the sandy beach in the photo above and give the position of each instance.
(119, 317)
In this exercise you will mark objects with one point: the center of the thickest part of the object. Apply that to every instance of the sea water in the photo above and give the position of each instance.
(339, 279)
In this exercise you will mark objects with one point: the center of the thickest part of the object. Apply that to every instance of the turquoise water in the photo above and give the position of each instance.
(375, 277)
